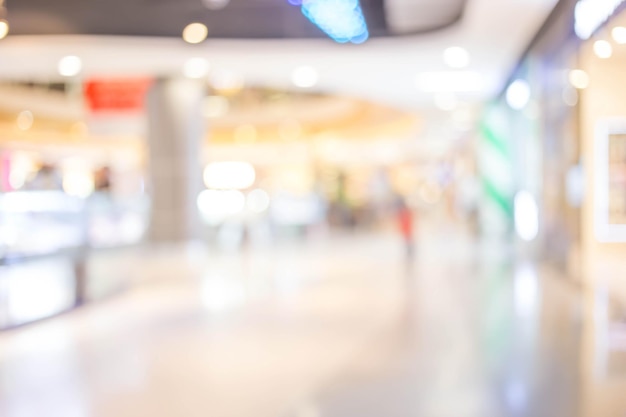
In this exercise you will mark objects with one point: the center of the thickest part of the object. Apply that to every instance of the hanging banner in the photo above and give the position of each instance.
(124, 95)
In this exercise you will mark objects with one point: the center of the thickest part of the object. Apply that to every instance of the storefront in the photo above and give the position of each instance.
(577, 95)
(600, 80)
(71, 205)
(603, 128)
(566, 87)
(561, 132)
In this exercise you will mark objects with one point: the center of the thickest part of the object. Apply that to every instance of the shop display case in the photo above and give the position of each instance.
(55, 248)
(34, 288)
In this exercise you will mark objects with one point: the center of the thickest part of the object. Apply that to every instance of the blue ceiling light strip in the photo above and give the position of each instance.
(341, 20)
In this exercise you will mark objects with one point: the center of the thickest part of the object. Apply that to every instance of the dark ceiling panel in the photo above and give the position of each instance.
(240, 19)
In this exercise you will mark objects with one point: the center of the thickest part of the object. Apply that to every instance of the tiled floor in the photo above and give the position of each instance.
(332, 328)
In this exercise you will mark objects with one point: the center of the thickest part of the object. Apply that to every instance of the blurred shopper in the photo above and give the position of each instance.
(405, 220)
(47, 178)
(101, 213)
(467, 196)
(102, 179)
(344, 206)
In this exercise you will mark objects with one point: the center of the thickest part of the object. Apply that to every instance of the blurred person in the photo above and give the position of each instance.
(102, 179)
(467, 196)
(344, 207)
(103, 216)
(47, 178)
(406, 225)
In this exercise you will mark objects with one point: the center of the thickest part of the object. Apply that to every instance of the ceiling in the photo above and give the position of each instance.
(240, 19)
(384, 69)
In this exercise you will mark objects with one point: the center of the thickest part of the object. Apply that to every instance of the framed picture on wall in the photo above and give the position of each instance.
(610, 185)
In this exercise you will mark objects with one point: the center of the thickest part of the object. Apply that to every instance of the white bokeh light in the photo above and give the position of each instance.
(518, 94)
(526, 216)
(305, 77)
(229, 175)
(70, 66)
(215, 206)
(456, 57)
(579, 79)
(619, 34)
(4, 29)
(526, 291)
(603, 49)
(78, 183)
(196, 68)
(195, 33)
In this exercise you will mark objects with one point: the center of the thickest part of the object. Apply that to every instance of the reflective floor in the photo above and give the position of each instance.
(337, 327)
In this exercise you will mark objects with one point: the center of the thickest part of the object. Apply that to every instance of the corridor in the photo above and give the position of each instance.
(337, 326)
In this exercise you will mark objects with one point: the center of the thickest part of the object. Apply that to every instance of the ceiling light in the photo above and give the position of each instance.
(229, 175)
(446, 101)
(195, 33)
(196, 68)
(579, 79)
(603, 49)
(70, 66)
(619, 35)
(341, 20)
(215, 4)
(4, 29)
(456, 57)
(450, 82)
(304, 77)
(518, 94)
(590, 15)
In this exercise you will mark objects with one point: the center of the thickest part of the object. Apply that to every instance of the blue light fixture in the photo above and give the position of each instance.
(341, 20)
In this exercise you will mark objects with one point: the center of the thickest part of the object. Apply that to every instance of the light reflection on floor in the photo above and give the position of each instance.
(336, 328)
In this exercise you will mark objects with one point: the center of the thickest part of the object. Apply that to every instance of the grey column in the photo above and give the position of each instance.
(175, 133)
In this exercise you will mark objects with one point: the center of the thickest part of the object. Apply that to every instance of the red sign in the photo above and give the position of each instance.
(124, 95)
